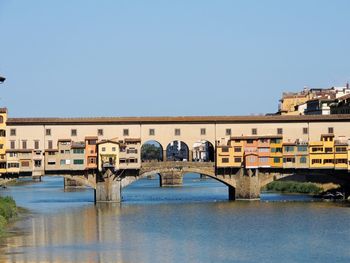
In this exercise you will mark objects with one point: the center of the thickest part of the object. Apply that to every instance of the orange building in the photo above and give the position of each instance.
(91, 152)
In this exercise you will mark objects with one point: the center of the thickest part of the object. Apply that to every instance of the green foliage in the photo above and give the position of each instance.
(294, 187)
(151, 152)
(8, 210)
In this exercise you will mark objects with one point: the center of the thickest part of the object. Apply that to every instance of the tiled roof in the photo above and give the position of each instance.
(179, 119)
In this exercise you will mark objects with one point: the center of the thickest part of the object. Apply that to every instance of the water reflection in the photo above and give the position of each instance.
(187, 231)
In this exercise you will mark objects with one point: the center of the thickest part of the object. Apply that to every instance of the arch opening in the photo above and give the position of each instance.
(151, 151)
(177, 151)
(203, 151)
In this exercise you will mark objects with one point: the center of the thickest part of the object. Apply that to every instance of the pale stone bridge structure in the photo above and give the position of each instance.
(40, 134)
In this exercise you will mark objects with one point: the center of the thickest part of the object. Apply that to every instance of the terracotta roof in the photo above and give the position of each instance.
(256, 137)
(64, 140)
(19, 150)
(180, 119)
(107, 141)
(51, 150)
(91, 137)
(132, 140)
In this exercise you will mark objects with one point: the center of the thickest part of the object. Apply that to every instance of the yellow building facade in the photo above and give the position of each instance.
(3, 119)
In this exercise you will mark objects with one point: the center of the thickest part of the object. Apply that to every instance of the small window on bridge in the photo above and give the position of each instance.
(151, 132)
(13, 132)
(305, 130)
(228, 132)
(73, 132)
(225, 160)
(177, 132)
(330, 130)
(100, 132)
(48, 132)
(279, 131)
(126, 132)
(254, 131)
(203, 131)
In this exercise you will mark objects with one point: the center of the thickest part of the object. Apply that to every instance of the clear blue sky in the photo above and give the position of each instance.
(183, 57)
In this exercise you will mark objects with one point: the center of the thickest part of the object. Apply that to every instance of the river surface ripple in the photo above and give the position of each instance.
(193, 223)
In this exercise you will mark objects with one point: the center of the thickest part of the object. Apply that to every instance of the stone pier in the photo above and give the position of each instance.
(247, 185)
(170, 179)
(108, 187)
(72, 184)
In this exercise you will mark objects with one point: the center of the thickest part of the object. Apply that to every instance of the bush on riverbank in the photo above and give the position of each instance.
(8, 210)
(294, 187)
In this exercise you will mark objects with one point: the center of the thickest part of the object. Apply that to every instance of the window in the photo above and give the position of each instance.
(303, 159)
(12, 145)
(113, 149)
(328, 149)
(317, 149)
(64, 161)
(48, 132)
(228, 132)
(330, 130)
(25, 163)
(36, 144)
(49, 144)
(254, 131)
(238, 159)
(250, 141)
(126, 132)
(132, 160)
(289, 160)
(73, 132)
(327, 161)
(100, 132)
(313, 161)
(12, 165)
(305, 130)
(203, 131)
(302, 148)
(224, 149)
(225, 160)
(24, 144)
(263, 159)
(177, 132)
(78, 161)
(279, 131)
(37, 163)
(131, 150)
(92, 142)
(289, 148)
(151, 132)
(103, 149)
(122, 160)
(1, 119)
(276, 160)
(237, 149)
(51, 162)
(13, 132)
(92, 160)
(78, 151)
(264, 150)
(1, 146)
(2, 133)
(340, 149)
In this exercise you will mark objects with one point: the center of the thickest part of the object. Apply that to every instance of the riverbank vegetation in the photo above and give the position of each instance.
(8, 211)
(294, 187)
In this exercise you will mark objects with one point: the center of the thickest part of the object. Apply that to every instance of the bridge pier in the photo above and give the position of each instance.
(71, 184)
(108, 188)
(170, 179)
(247, 185)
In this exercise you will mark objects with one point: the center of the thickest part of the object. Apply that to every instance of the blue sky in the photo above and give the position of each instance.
(152, 58)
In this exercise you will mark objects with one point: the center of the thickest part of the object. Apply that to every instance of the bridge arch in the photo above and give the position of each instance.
(152, 150)
(177, 151)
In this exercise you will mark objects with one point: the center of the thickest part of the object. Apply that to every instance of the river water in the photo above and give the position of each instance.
(193, 223)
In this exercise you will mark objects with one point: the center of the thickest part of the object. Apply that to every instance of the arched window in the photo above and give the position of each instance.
(1, 119)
